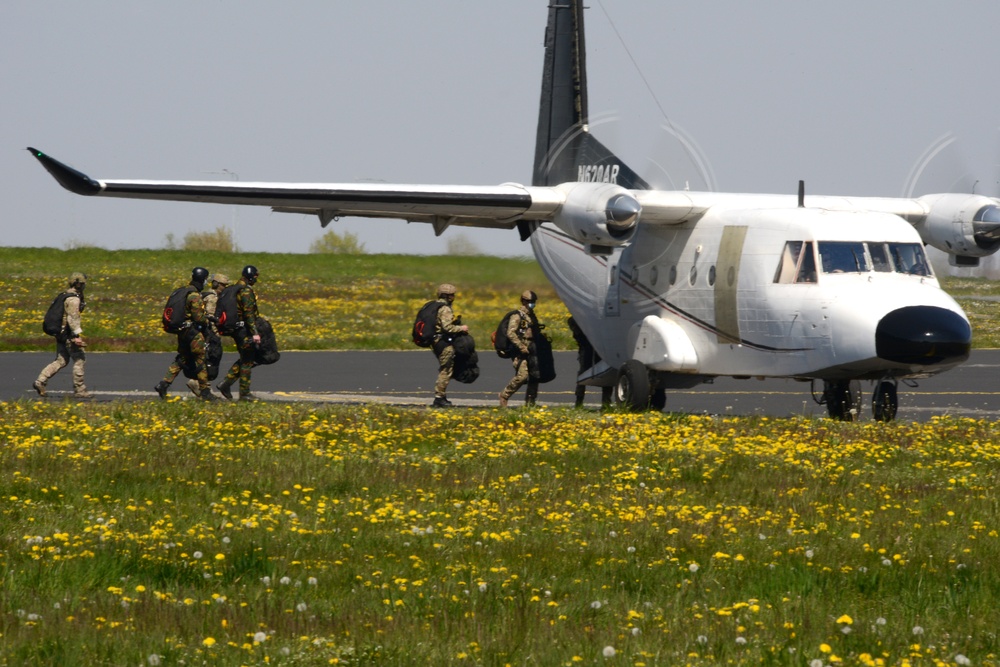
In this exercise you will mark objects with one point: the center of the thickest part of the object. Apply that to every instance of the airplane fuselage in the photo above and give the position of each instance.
(792, 292)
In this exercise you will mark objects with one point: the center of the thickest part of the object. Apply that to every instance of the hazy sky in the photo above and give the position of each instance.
(844, 95)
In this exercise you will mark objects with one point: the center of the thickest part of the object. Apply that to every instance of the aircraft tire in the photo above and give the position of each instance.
(633, 389)
(843, 399)
(885, 402)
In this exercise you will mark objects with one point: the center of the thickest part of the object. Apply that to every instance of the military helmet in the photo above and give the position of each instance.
(77, 278)
(250, 273)
(199, 274)
(220, 278)
(446, 289)
(529, 296)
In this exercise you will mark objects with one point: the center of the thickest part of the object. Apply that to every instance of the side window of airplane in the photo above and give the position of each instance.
(797, 263)
(843, 257)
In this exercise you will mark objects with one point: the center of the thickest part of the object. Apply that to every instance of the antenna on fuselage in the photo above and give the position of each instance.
(802, 194)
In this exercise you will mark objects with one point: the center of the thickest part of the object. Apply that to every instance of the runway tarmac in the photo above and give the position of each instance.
(407, 378)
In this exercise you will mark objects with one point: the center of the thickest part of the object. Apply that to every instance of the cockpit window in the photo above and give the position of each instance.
(798, 263)
(843, 257)
(909, 258)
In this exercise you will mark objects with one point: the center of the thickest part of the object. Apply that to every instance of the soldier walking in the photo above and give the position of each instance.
(69, 340)
(521, 330)
(211, 297)
(444, 328)
(191, 340)
(245, 335)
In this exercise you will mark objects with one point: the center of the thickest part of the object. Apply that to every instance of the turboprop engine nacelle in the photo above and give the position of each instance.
(964, 226)
(601, 216)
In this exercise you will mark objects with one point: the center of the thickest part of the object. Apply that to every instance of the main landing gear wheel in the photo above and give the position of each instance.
(843, 399)
(633, 389)
(885, 402)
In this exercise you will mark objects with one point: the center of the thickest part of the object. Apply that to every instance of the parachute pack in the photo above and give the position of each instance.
(267, 351)
(52, 323)
(504, 347)
(425, 324)
(227, 312)
(175, 312)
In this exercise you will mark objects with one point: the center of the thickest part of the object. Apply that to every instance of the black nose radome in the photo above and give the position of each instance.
(924, 335)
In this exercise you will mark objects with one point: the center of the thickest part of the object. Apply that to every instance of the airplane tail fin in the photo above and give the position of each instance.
(565, 151)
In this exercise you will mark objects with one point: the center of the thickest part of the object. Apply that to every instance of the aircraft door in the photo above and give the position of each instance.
(727, 318)
(612, 298)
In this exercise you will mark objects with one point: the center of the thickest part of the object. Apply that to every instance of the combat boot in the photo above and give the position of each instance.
(442, 402)
(161, 389)
(503, 401)
(39, 386)
(207, 395)
(193, 386)
(223, 388)
(82, 392)
(248, 398)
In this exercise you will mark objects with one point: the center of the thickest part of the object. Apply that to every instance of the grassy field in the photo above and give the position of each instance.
(193, 534)
(316, 302)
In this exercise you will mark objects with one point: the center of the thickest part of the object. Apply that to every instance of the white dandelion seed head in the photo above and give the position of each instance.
(301, 606)
(962, 660)
(226, 540)
(815, 662)
(761, 537)
(196, 555)
(846, 629)
(285, 651)
(809, 553)
(631, 550)
(702, 639)
(153, 660)
(693, 567)
(609, 652)
(886, 562)
(312, 581)
(880, 621)
(596, 604)
(482, 586)
(917, 630)
(612, 534)
(741, 641)
(260, 637)
(284, 581)
(206, 575)
(265, 580)
(36, 617)
(636, 632)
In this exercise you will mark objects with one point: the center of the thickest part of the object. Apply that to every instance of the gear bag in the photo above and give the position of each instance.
(504, 348)
(466, 359)
(175, 312)
(267, 351)
(541, 364)
(52, 323)
(425, 324)
(227, 310)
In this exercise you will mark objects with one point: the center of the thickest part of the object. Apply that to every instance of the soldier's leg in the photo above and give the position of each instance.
(531, 393)
(62, 358)
(520, 377)
(446, 367)
(197, 352)
(79, 362)
(246, 349)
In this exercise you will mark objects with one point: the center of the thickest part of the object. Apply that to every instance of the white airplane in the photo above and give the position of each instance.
(674, 288)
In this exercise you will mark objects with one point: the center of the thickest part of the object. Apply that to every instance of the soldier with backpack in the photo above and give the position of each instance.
(522, 327)
(213, 342)
(445, 327)
(63, 321)
(184, 315)
(237, 315)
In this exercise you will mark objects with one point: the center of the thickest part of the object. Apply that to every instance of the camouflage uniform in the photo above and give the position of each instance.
(443, 348)
(246, 301)
(190, 346)
(520, 331)
(69, 341)
(210, 299)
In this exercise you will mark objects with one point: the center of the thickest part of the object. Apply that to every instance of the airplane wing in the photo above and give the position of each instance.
(498, 207)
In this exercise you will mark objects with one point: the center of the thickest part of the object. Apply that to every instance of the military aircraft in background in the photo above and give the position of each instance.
(674, 288)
